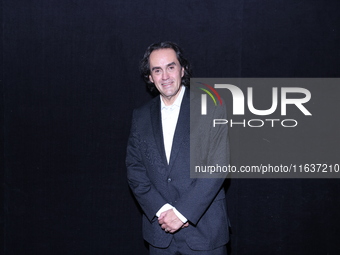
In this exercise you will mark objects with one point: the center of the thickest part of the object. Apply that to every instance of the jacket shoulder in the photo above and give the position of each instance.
(146, 106)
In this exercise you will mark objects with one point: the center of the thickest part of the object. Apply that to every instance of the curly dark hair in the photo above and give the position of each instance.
(145, 66)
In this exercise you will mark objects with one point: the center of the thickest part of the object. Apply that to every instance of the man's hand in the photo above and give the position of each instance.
(170, 222)
(185, 225)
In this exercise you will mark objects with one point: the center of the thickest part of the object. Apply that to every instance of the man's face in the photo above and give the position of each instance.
(166, 73)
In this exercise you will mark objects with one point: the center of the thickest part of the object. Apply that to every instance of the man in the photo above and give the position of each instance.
(181, 215)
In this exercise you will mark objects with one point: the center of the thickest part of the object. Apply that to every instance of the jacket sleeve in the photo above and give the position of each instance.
(146, 194)
(214, 150)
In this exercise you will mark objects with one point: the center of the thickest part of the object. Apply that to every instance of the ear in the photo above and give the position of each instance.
(150, 78)
(182, 72)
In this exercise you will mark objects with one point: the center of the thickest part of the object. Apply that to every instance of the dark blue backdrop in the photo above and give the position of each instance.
(71, 80)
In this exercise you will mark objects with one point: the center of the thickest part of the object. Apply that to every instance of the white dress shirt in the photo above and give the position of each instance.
(170, 115)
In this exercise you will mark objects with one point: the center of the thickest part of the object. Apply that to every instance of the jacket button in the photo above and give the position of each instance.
(169, 180)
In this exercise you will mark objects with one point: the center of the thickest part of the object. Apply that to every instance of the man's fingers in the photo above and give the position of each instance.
(172, 229)
(170, 222)
(185, 225)
(162, 215)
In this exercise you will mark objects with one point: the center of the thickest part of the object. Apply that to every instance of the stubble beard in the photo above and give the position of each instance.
(169, 97)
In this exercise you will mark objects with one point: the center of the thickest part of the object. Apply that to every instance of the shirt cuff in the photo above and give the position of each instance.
(163, 209)
(168, 207)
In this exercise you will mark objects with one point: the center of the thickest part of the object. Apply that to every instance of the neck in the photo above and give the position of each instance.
(171, 99)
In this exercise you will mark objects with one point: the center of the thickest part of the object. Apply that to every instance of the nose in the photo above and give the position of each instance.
(165, 75)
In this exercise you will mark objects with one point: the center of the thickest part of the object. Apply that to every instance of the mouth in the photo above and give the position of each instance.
(167, 83)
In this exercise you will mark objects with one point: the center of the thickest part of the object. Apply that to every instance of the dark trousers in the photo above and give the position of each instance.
(178, 246)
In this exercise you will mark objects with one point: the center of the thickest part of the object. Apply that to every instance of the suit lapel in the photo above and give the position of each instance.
(156, 121)
(182, 128)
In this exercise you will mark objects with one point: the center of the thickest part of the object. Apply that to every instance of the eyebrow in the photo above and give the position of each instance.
(157, 67)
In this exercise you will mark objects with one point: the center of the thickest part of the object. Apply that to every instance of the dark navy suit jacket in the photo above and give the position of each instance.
(154, 182)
